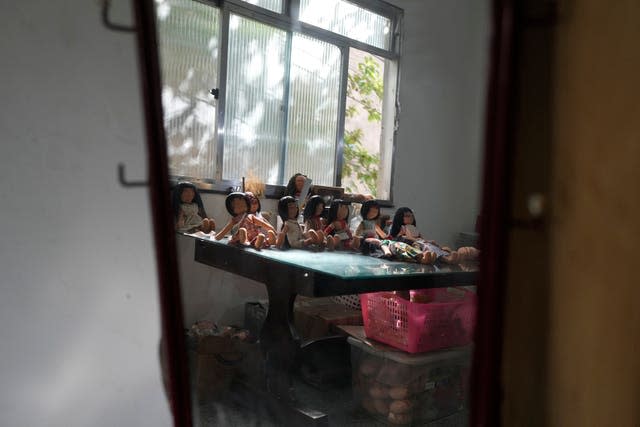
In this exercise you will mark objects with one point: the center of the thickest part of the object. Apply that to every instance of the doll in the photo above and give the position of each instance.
(404, 229)
(338, 226)
(255, 209)
(243, 226)
(396, 250)
(295, 185)
(314, 222)
(369, 226)
(188, 210)
(291, 234)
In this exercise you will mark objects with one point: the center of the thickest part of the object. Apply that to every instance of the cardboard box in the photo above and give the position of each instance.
(312, 317)
(315, 319)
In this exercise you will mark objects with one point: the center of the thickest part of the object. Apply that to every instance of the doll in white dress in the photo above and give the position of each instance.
(188, 210)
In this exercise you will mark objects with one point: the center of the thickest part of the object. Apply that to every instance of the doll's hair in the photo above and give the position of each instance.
(283, 207)
(333, 210)
(398, 221)
(291, 186)
(176, 201)
(251, 197)
(368, 204)
(310, 207)
(236, 195)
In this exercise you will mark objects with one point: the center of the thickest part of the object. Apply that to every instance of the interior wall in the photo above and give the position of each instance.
(78, 290)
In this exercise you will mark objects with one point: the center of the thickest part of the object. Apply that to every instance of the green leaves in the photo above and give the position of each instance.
(366, 88)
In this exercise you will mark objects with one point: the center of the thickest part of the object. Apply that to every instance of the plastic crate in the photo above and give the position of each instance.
(409, 389)
(447, 320)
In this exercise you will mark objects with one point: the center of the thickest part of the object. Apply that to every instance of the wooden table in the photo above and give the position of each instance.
(292, 272)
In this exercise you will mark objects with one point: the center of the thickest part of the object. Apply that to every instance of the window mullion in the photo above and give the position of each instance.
(222, 95)
(285, 108)
(344, 74)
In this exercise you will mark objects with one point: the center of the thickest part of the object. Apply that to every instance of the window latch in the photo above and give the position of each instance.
(215, 92)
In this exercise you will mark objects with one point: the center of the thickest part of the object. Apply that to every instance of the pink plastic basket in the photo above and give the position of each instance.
(447, 320)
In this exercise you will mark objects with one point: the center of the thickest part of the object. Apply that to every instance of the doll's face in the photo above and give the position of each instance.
(187, 195)
(238, 206)
(343, 212)
(292, 210)
(300, 182)
(407, 218)
(319, 209)
(373, 212)
(254, 203)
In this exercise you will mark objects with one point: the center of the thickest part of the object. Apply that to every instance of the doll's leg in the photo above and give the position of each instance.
(355, 244)
(242, 235)
(452, 258)
(331, 243)
(313, 236)
(259, 243)
(271, 237)
(468, 253)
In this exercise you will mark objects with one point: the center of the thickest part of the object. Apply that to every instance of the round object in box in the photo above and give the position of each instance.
(378, 391)
(399, 392)
(369, 366)
(381, 405)
(399, 419)
(400, 406)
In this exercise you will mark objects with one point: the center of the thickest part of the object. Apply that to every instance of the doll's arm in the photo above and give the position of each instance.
(359, 228)
(224, 230)
(180, 221)
(282, 236)
(262, 223)
(329, 229)
(380, 232)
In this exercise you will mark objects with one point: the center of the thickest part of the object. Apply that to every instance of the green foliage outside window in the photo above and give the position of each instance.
(365, 87)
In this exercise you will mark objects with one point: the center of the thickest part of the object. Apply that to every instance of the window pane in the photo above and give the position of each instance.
(188, 48)
(348, 20)
(273, 5)
(313, 110)
(254, 119)
(369, 122)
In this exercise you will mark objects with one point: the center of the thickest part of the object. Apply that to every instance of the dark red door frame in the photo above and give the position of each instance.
(173, 338)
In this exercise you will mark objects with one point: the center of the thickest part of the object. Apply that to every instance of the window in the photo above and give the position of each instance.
(270, 88)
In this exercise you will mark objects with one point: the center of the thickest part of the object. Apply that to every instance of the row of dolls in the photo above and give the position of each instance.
(248, 227)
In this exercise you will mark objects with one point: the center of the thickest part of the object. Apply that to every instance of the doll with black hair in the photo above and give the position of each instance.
(314, 220)
(188, 210)
(243, 226)
(338, 226)
(369, 226)
(292, 234)
(404, 229)
(295, 185)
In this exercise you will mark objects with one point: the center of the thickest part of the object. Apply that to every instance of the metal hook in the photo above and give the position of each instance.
(126, 183)
(107, 23)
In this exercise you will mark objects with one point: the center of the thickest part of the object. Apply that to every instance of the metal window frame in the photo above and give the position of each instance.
(289, 22)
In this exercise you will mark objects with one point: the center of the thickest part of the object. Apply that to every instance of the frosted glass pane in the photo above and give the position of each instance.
(254, 126)
(273, 5)
(313, 110)
(188, 48)
(348, 20)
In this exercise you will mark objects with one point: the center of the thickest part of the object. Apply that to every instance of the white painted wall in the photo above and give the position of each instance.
(438, 153)
(79, 310)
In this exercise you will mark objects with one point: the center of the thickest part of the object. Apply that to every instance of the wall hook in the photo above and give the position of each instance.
(125, 183)
(110, 25)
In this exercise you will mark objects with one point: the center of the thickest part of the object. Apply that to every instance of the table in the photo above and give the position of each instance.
(292, 272)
